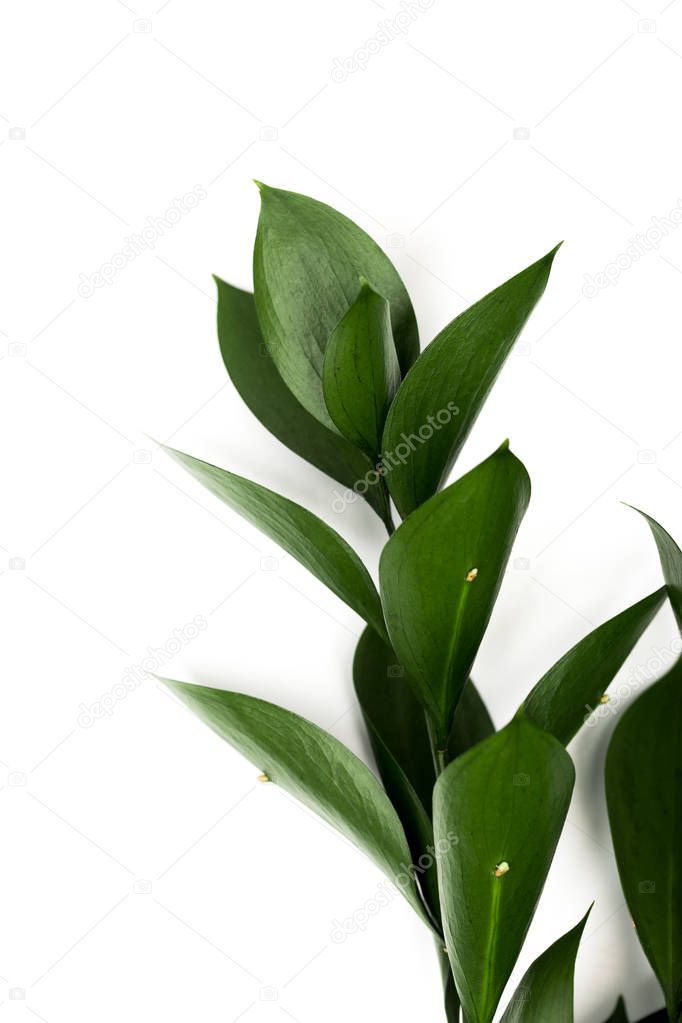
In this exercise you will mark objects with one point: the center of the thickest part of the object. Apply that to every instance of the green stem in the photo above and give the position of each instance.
(387, 516)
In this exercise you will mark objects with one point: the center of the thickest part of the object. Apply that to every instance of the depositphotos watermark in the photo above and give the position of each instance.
(638, 247)
(386, 891)
(409, 443)
(143, 241)
(388, 30)
(640, 676)
(136, 674)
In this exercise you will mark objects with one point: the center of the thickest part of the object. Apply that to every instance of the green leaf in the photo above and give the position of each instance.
(314, 767)
(397, 730)
(506, 800)
(310, 540)
(360, 374)
(397, 725)
(546, 991)
(619, 1015)
(471, 724)
(307, 264)
(644, 798)
(262, 389)
(451, 1002)
(440, 574)
(395, 716)
(671, 563)
(443, 393)
(567, 694)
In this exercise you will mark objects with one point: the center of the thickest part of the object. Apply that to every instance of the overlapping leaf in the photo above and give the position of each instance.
(644, 797)
(307, 264)
(565, 696)
(360, 373)
(439, 400)
(440, 574)
(471, 724)
(314, 767)
(310, 540)
(255, 376)
(506, 801)
(671, 563)
(546, 992)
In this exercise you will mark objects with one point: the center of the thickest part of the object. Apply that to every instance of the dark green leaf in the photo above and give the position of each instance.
(506, 801)
(440, 574)
(255, 376)
(388, 702)
(451, 1001)
(443, 393)
(306, 268)
(314, 767)
(546, 992)
(361, 374)
(310, 540)
(397, 730)
(471, 724)
(644, 797)
(565, 697)
(671, 563)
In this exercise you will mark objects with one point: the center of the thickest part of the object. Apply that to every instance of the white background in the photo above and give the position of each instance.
(145, 875)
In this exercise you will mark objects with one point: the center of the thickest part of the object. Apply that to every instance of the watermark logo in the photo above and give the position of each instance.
(637, 248)
(386, 892)
(408, 444)
(143, 241)
(387, 30)
(136, 674)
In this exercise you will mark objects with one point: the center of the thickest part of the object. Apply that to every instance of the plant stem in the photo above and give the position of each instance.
(387, 516)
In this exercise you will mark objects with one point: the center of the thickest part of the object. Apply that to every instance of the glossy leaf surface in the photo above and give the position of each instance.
(307, 264)
(439, 400)
(440, 574)
(671, 563)
(644, 797)
(310, 540)
(546, 991)
(566, 695)
(360, 374)
(262, 389)
(506, 801)
(314, 767)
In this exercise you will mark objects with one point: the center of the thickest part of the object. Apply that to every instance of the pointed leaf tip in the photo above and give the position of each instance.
(306, 264)
(315, 768)
(454, 375)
